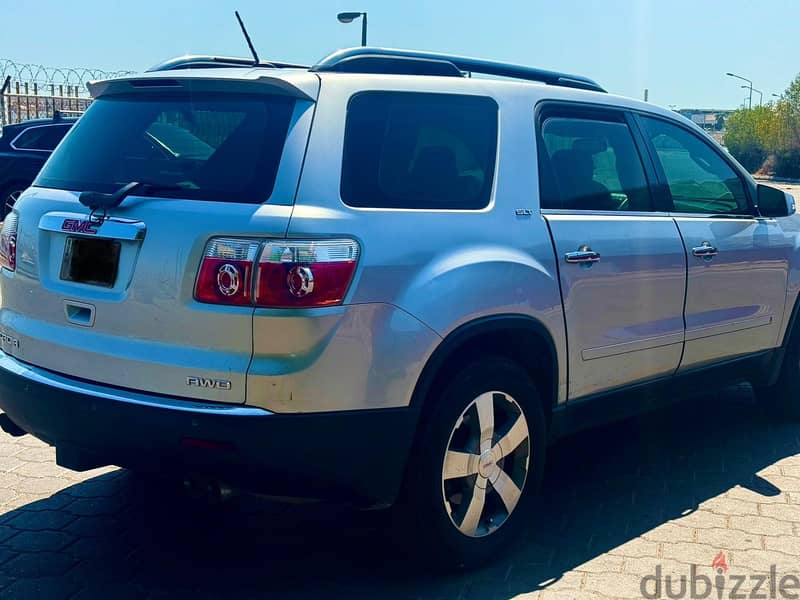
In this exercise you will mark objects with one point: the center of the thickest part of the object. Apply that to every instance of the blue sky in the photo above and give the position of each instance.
(679, 49)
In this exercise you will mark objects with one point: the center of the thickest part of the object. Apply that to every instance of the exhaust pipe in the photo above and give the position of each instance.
(11, 428)
(210, 491)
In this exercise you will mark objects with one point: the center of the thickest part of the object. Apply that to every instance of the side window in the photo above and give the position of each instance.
(409, 150)
(699, 179)
(41, 138)
(591, 164)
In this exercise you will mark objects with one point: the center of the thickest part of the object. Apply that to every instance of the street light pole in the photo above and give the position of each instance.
(759, 92)
(364, 29)
(750, 103)
(349, 17)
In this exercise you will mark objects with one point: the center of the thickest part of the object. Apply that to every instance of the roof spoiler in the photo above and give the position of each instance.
(304, 86)
(206, 61)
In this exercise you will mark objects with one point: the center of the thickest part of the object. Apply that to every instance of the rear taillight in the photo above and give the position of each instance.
(277, 273)
(8, 243)
(226, 273)
(305, 273)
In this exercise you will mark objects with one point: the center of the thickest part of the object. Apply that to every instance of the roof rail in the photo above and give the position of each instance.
(215, 62)
(414, 62)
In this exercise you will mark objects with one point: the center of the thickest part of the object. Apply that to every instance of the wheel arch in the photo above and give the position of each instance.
(521, 338)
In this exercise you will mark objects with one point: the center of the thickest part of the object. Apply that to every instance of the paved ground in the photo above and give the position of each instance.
(670, 489)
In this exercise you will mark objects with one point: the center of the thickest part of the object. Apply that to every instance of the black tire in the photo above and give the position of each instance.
(782, 399)
(427, 526)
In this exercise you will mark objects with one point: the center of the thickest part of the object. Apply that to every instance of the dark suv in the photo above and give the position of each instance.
(24, 148)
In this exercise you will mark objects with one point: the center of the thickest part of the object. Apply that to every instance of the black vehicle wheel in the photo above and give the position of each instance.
(9, 196)
(476, 465)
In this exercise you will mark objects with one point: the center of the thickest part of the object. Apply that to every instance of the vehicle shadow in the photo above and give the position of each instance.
(602, 488)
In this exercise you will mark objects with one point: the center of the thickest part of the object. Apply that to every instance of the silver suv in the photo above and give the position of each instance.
(380, 280)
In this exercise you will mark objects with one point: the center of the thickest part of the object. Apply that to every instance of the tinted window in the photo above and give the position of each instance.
(404, 150)
(44, 137)
(699, 179)
(223, 148)
(588, 164)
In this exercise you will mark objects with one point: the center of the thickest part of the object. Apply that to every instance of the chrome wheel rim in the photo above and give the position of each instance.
(11, 200)
(486, 464)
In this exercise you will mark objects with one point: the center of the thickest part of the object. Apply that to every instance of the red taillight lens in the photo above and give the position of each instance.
(287, 273)
(8, 243)
(226, 273)
(305, 273)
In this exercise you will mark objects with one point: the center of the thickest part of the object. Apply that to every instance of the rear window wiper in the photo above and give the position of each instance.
(101, 201)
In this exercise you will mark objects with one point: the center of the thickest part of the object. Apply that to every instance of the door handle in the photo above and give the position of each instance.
(583, 256)
(705, 250)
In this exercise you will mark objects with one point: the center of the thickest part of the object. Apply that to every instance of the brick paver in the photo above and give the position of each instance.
(662, 491)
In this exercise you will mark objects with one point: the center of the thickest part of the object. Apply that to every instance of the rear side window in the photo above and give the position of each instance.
(425, 151)
(43, 137)
(221, 147)
(590, 164)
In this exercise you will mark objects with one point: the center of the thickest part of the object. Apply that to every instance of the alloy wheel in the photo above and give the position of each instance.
(10, 200)
(486, 464)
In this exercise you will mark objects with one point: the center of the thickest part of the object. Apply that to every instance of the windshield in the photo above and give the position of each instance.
(199, 147)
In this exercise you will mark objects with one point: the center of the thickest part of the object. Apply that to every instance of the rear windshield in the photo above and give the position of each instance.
(410, 150)
(196, 147)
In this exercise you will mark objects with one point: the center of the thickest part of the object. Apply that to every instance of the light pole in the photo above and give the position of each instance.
(349, 17)
(750, 103)
(759, 92)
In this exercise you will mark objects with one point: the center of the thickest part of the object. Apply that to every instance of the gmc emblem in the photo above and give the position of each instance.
(214, 384)
(78, 226)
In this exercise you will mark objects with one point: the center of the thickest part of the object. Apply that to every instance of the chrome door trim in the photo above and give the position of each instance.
(12, 143)
(625, 347)
(604, 213)
(680, 215)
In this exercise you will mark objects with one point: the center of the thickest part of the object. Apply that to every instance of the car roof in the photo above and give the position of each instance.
(38, 122)
(372, 66)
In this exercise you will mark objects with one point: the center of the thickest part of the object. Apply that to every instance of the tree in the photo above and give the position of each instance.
(768, 137)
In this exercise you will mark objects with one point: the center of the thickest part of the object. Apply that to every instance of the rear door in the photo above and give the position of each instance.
(738, 263)
(621, 265)
(111, 299)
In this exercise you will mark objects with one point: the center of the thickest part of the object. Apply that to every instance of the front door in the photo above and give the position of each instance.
(737, 262)
(622, 266)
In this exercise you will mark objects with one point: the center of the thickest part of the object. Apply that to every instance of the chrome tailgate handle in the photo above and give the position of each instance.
(583, 256)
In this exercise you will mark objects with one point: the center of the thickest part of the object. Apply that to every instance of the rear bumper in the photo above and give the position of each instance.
(357, 456)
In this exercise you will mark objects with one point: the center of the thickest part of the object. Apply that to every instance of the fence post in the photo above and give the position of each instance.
(3, 90)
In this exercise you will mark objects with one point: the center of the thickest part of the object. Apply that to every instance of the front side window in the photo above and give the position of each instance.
(424, 151)
(699, 179)
(591, 164)
(43, 137)
(223, 147)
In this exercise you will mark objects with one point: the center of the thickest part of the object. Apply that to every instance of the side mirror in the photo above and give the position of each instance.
(773, 202)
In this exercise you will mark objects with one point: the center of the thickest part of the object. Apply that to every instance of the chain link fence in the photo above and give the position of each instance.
(29, 91)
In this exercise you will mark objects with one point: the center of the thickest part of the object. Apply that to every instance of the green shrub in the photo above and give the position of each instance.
(751, 156)
(787, 163)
